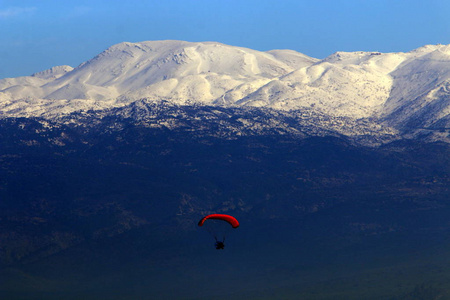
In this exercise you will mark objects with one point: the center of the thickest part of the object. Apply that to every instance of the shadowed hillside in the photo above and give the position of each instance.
(111, 212)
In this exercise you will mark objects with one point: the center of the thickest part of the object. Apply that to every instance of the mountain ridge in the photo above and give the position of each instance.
(407, 91)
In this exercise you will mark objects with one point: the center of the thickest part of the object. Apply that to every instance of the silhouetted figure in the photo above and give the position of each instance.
(220, 245)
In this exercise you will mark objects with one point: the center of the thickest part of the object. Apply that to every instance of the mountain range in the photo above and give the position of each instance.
(403, 93)
(337, 170)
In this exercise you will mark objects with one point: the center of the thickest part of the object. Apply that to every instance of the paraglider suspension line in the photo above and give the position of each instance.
(213, 230)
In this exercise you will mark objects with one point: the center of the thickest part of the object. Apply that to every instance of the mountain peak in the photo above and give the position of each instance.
(429, 48)
(53, 72)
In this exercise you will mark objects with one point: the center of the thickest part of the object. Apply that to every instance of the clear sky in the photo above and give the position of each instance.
(38, 34)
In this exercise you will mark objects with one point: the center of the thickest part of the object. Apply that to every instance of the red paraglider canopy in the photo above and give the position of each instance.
(232, 220)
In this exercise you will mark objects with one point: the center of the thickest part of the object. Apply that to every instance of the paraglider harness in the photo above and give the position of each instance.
(219, 245)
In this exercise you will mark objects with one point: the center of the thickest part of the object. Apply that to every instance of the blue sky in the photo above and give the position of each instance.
(36, 35)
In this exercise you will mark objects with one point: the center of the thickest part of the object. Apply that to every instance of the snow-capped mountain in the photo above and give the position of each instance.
(181, 72)
(111, 164)
(408, 91)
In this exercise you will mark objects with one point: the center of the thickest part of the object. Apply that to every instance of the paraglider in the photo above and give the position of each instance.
(218, 225)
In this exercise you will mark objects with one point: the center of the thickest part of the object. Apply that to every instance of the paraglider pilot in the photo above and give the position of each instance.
(220, 245)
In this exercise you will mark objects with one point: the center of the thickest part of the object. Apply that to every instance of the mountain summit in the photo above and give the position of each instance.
(403, 90)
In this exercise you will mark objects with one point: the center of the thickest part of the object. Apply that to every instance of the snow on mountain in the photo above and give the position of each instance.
(340, 90)
(421, 91)
(177, 70)
(403, 89)
(54, 72)
(172, 70)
